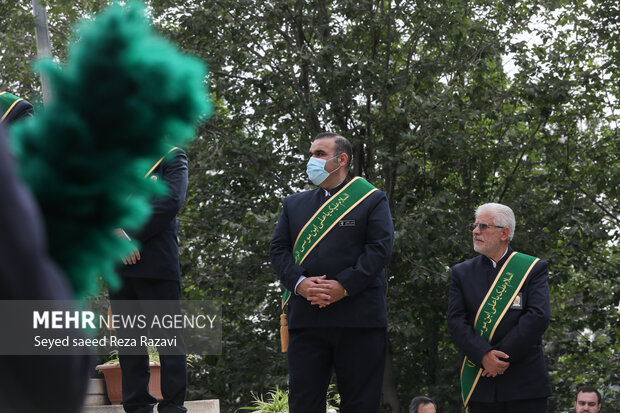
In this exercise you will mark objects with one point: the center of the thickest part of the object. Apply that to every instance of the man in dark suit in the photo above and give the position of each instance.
(28, 273)
(514, 376)
(337, 311)
(153, 273)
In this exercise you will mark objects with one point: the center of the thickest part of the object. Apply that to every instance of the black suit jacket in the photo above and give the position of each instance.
(519, 334)
(28, 273)
(159, 248)
(22, 109)
(354, 254)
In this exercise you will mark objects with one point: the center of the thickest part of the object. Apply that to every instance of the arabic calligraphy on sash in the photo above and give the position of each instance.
(312, 233)
(490, 308)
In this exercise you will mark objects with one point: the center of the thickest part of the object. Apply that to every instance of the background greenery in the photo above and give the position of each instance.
(449, 104)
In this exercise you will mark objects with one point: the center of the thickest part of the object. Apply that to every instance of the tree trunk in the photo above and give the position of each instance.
(390, 403)
(42, 34)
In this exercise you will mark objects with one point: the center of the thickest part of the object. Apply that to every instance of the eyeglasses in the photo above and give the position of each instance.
(483, 227)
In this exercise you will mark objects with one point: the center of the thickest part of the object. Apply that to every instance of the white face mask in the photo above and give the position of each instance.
(316, 169)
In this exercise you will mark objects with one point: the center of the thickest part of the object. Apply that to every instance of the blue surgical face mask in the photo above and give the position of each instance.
(316, 170)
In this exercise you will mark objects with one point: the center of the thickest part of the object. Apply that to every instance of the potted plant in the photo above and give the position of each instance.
(111, 370)
(278, 401)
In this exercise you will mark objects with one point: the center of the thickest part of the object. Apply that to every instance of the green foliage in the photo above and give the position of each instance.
(448, 104)
(278, 401)
(18, 42)
(152, 352)
(423, 92)
(124, 97)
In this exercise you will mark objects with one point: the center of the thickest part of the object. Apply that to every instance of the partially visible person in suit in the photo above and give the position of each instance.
(512, 373)
(587, 400)
(337, 311)
(13, 108)
(153, 273)
(31, 384)
(422, 404)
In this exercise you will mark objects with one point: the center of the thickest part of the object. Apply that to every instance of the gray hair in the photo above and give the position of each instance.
(502, 216)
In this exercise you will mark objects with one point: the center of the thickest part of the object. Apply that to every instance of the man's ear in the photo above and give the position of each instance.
(505, 233)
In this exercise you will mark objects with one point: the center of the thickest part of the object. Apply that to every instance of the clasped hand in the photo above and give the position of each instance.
(321, 291)
(493, 363)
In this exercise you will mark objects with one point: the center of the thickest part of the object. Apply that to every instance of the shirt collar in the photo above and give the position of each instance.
(335, 189)
(495, 263)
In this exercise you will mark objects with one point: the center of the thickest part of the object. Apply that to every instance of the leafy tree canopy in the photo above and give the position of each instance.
(448, 104)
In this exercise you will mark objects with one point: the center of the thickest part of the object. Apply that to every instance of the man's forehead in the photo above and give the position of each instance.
(587, 396)
(323, 144)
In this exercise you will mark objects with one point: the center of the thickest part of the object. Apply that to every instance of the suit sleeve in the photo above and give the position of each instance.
(468, 341)
(377, 250)
(281, 253)
(533, 323)
(174, 174)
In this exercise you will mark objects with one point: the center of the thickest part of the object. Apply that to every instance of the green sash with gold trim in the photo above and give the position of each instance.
(326, 218)
(493, 308)
(160, 161)
(7, 103)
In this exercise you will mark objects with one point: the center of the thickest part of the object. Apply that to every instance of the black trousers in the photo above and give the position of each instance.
(513, 406)
(356, 355)
(135, 368)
